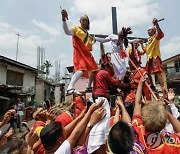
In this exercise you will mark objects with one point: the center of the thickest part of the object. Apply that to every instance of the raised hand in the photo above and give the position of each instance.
(97, 115)
(95, 106)
(155, 21)
(64, 15)
(119, 101)
(31, 138)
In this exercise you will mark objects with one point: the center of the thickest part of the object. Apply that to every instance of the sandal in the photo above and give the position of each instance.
(73, 91)
(77, 93)
(88, 89)
(70, 91)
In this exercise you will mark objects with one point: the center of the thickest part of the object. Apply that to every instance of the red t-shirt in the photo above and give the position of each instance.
(37, 124)
(102, 80)
(159, 142)
(65, 118)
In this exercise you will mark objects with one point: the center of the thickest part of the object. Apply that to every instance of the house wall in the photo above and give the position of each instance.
(171, 72)
(3, 72)
(47, 91)
(57, 95)
(39, 91)
(29, 80)
(43, 91)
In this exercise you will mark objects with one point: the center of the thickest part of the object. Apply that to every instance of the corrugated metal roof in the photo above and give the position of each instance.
(16, 63)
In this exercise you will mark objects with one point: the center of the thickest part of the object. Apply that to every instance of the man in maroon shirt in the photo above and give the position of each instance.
(102, 81)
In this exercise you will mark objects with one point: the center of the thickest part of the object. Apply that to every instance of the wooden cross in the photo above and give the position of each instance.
(114, 27)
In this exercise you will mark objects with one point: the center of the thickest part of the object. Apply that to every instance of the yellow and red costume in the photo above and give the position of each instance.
(135, 56)
(82, 43)
(154, 63)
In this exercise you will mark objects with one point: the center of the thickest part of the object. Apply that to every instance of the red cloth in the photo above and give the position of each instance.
(65, 118)
(135, 57)
(83, 59)
(111, 121)
(123, 54)
(80, 104)
(102, 80)
(156, 143)
(130, 97)
(40, 150)
(154, 65)
(37, 124)
(136, 78)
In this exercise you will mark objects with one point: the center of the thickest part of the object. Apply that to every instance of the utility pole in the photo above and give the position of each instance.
(17, 46)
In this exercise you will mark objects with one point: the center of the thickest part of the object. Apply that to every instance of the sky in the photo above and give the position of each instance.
(39, 24)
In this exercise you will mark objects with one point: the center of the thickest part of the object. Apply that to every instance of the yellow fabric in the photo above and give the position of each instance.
(82, 34)
(152, 48)
(38, 130)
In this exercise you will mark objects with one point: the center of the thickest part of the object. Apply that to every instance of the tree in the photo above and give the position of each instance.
(47, 65)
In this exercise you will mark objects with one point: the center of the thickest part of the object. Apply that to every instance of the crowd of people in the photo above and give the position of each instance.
(124, 115)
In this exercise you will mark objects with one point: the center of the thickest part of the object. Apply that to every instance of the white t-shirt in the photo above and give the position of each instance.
(65, 148)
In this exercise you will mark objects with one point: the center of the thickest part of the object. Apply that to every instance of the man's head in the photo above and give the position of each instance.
(120, 138)
(18, 100)
(105, 65)
(108, 56)
(136, 44)
(85, 23)
(154, 117)
(151, 30)
(52, 136)
(40, 114)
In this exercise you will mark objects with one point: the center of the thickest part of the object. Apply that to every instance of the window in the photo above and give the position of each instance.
(177, 65)
(14, 78)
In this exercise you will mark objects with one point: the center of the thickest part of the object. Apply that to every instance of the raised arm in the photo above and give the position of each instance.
(125, 116)
(142, 46)
(175, 122)
(102, 50)
(70, 127)
(159, 31)
(95, 117)
(65, 26)
(72, 139)
(138, 97)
